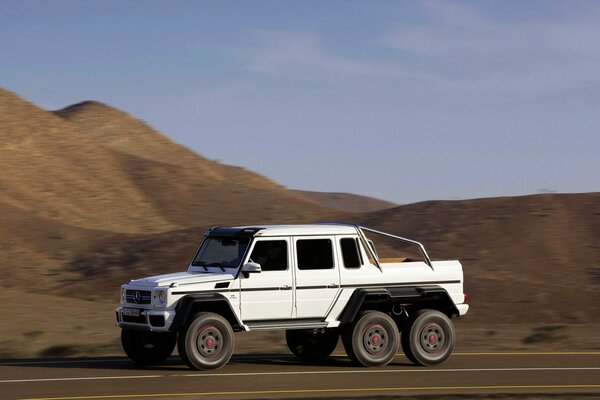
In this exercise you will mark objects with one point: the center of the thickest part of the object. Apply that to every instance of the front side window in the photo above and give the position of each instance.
(272, 255)
(223, 252)
(314, 254)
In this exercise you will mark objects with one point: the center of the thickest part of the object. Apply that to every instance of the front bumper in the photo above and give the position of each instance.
(148, 320)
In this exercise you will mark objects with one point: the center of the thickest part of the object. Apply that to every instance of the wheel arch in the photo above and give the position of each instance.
(415, 297)
(191, 304)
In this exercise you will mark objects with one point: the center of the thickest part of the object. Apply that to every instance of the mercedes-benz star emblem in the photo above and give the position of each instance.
(138, 296)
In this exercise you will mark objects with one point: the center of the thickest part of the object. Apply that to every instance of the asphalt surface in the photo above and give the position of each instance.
(564, 375)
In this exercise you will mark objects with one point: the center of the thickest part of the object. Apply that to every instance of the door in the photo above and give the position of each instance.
(317, 275)
(268, 295)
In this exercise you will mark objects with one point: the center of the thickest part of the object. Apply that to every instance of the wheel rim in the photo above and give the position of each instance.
(432, 338)
(209, 341)
(375, 338)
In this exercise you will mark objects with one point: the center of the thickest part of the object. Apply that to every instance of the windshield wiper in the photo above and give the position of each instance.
(200, 264)
(204, 265)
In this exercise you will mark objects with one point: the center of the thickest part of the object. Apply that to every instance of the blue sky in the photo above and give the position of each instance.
(405, 101)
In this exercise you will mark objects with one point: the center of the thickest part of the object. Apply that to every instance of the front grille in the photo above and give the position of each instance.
(138, 296)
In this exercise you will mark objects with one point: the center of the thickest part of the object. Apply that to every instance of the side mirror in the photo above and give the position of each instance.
(251, 268)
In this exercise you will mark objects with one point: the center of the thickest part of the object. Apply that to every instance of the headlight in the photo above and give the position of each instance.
(162, 296)
(123, 295)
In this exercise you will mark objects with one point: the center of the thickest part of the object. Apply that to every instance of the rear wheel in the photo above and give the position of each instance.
(207, 342)
(372, 340)
(312, 345)
(147, 347)
(428, 337)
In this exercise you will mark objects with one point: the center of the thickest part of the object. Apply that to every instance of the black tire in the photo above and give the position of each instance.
(372, 340)
(347, 342)
(147, 348)
(310, 346)
(428, 337)
(207, 342)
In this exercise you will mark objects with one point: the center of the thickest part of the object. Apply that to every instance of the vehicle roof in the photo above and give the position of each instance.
(285, 230)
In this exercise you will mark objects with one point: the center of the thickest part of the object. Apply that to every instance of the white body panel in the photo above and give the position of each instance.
(316, 289)
(269, 294)
(185, 278)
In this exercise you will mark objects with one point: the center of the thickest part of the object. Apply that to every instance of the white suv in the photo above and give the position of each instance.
(317, 282)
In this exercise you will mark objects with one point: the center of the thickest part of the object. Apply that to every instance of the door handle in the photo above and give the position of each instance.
(332, 285)
(285, 287)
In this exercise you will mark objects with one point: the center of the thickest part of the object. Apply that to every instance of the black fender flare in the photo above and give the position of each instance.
(209, 301)
(400, 294)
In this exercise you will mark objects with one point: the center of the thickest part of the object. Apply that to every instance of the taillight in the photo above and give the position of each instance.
(466, 297)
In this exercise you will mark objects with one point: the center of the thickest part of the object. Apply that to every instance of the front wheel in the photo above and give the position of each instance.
(372, 340)
(312, 345)
(147, 347)
(428, 338)
(207, 342)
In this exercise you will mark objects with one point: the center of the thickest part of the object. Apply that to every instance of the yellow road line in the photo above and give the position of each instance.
(309, 391)
(514, 353)
(532, 353)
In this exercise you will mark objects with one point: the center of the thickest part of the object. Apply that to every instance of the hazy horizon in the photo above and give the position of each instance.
(400, 101)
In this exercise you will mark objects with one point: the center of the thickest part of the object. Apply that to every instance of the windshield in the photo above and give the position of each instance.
(221, 252)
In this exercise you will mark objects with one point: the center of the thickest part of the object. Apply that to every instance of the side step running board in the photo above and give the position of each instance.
(291, 324)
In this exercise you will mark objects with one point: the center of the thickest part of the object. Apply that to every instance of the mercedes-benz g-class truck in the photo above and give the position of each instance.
(316, 282)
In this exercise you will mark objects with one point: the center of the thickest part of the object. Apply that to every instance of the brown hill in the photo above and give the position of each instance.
(96, 167)
(90, 197)
(187, 188)
(347, 202)
(71, 178)
(532, 270)
(529, 258)
(51, 170)
(533, 259)
(121, 131)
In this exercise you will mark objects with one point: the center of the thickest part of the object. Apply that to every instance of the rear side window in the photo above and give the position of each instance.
(350, 253)
(314, 254)
(272, 255)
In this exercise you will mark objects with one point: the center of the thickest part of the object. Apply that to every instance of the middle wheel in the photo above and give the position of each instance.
(312, 345)
(372, 340)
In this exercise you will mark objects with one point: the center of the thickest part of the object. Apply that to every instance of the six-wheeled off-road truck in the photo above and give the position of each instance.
(317, 282)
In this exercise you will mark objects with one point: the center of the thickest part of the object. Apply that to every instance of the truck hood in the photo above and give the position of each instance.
(183, 278)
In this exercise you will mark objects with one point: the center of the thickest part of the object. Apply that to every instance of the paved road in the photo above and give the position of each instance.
(282, 376)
